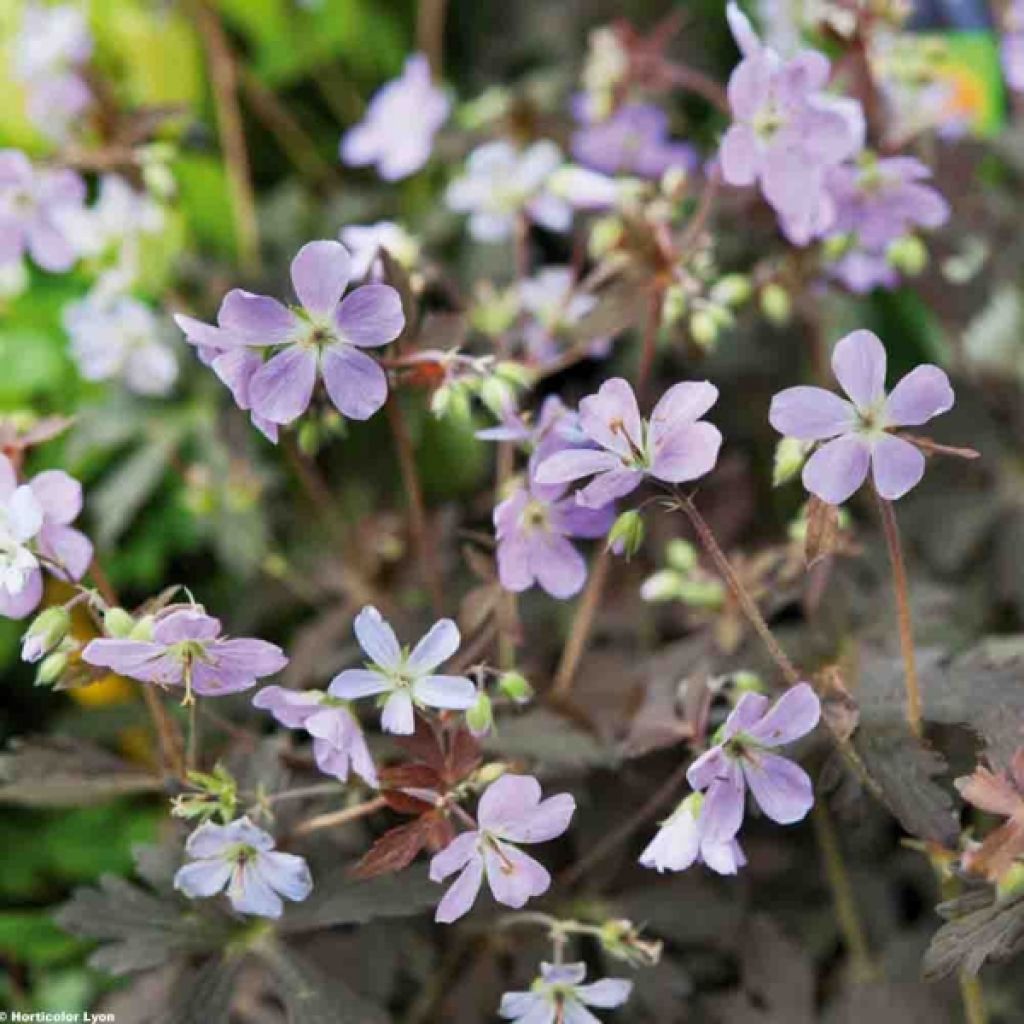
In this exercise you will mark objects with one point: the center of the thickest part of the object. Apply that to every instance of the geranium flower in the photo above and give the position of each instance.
(32, 203)
(187, 648)
(321, 340)
(364, 242)
(559, 996)
(510, 811)
(786, 132)
(408, 680)
(744, 757)
(674, 446)
(501, 182)
(682, 841)
(859, 432)
(241, 858)
(397, 132)
(338, 742)
(36, 532)
(550, 296)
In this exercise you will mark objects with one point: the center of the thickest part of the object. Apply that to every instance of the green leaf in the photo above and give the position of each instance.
(31, 936)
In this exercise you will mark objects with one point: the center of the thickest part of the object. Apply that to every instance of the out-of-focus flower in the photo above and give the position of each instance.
(338, 742)
(321, 340)
(877, 203)
(407, 679)
(510, 812)
(36, 531)
(682, 841)
(634, 140)
(1013, 45)
(33, 202)
(186, 647)
(52, 45)
(604, 72)
(121, 339)
(364, 242)
(533, 526)
(119, 212)
(397, 132)
(241, 858)
(674, 446)
(743, 757)
(786, 131)
(858, 432)
(555, 306)
(502, 183)
(559, 996)
(683, 580)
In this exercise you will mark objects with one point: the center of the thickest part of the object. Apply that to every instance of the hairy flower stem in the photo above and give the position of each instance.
(417, 510)
(192, 751)
(170, 755)
(899, 580)
(864, 967)
(581, 625)
(649, 343)
(342, 817)
(224, 82)
(739, 591)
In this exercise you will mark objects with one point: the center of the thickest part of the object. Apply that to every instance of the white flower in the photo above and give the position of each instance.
(363, 242)
(21, 518)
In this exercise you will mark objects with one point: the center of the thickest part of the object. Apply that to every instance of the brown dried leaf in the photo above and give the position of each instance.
(822, 530)
(982, 927)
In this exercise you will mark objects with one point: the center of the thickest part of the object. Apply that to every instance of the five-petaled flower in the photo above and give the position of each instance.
(404, 680)
(242, 858)
(682, 840)
(859, 432)
(36, 532)
(397, 132)
(559, 996)
(510, 811)
(674, 446)
(186, 648)
(743, 757)
(321, 340)
(338, 743)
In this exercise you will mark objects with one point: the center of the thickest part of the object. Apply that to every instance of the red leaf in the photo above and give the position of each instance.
(396, 849)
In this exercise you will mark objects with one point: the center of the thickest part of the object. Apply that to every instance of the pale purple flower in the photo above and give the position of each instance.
(117, 219)
(36, 532)
(554, 427)
(121, 339)
(1013, 45)
(858, 431)
(338, 743)
(533, 526)
(241, 858)
(52, 45)
(397, 132)
(364, 242)
(555, 307)
(786, 132)
(559, 996)
(404, 680)
(502, 183)
(186, 647)
(510, 812)
(681, 841)
(634, 140)
(743, 757)
(323, 339)
(33, 202)
(674, 446)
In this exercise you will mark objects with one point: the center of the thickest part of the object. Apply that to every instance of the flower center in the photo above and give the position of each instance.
(534, 516)
(768, 122)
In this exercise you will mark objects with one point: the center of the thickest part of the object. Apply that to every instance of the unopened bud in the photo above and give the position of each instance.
(673, 305)
(605, 234)
(732, 290)
(480, 717)
(776, 304)
(908, 255)
(51, 668)
(143, 629)
(662, 586)
(118, 623)
(491, 772)
(702, 593)
(47, 630)
(627, 533)
(704, 328)
(308, 438)
(747, 682)
(789, 460)
(681, 555)
(497, 395)
(515, 686)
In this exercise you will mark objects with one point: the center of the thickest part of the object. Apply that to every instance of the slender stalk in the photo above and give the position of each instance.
(168, 736)
(302, 792)
(698, 83)
(224, 82)
(342, 817)
(854, 938)
(579, 634)
(425, 551)
(902, 592)
(430, 33)
(740, 592)
(649, 343)
(507, 612)
(973, 998)
(192, 751)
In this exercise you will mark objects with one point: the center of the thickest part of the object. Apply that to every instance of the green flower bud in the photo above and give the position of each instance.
(836, 247)
(308, 438)
(622, 940)
(497, 395)
(627, 533)
(790, 455)
(47, 630)
(704, 328)
(673, 305)
(681, 555)
(776, 304)
(662, 586)
(118, 623)
(747, 682)
(143, 629)
(605, 234)
(516, 374)
(480, 717)
(516, 687)
(732, 290)
(702, 593)
(908, 255)
(490, 773)
(51, 668)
